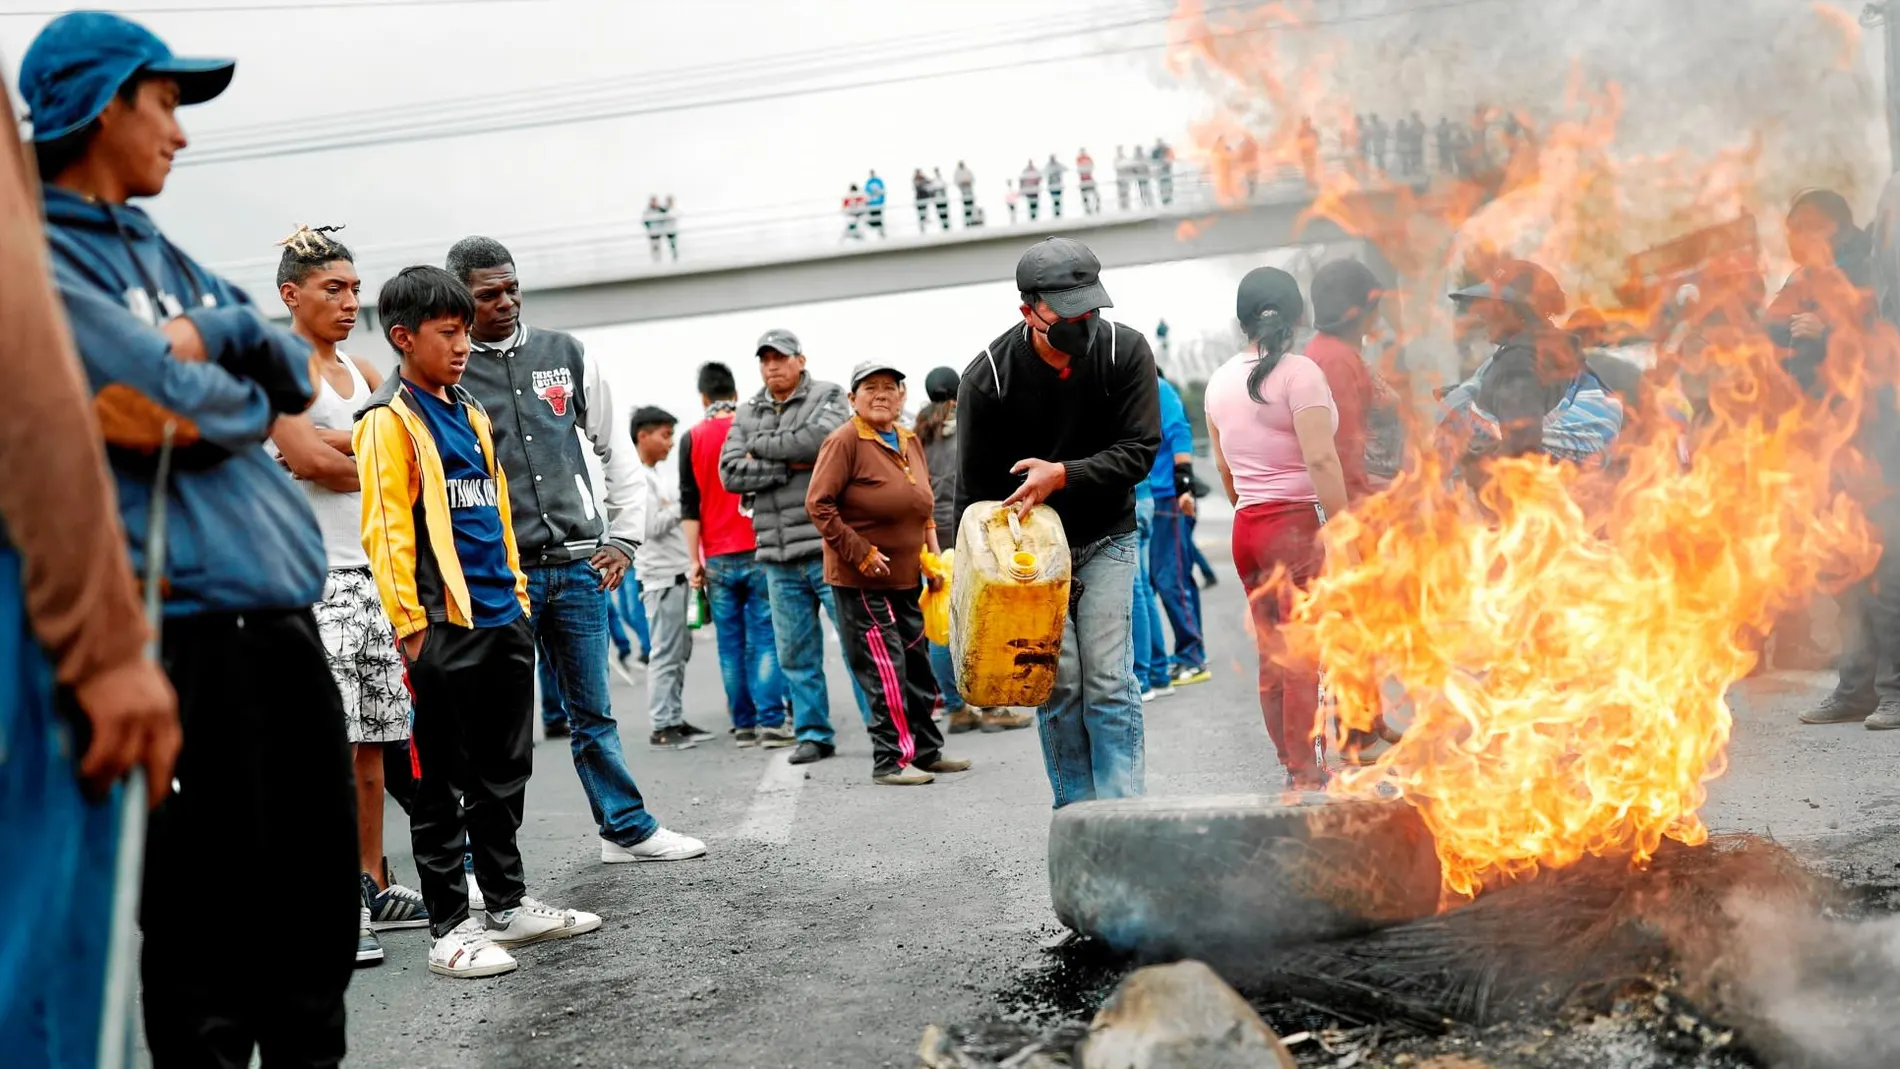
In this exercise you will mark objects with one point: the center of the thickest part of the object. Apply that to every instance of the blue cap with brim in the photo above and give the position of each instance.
(80, 59)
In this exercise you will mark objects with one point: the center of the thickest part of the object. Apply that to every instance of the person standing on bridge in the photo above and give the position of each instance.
(1052, 178)
(1124, 177)
(1063, 408)
(966, 189)
(1139, 169)
(1085, 181)
(1030, 183)
(768, 458)
(654, 219)
(874, 203)
(920, 191)
(940, 195)
(543, 391)
(1162, 158)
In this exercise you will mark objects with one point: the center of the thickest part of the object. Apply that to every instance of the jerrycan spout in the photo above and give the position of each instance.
(1023, 566)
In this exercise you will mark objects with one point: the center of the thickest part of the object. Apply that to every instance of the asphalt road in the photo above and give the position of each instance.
(833, 919)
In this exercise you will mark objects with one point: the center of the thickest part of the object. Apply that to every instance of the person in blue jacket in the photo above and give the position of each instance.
(263, 780)
(1170, 557)
(874, 203)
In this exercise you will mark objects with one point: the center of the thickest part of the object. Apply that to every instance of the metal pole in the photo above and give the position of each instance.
(1886, 14)
(116, 1010)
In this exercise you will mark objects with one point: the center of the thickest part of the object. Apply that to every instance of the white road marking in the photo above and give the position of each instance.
(770, 818)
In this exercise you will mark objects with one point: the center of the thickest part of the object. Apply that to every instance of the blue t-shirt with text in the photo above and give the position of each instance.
(474, 510)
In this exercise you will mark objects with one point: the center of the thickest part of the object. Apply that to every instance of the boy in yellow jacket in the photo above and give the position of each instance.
(437, 530)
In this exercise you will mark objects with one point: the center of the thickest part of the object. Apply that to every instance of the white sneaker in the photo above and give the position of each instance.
(476, 903)
(662, 845)
(533, 921)
(468, 953)
(1165, 691)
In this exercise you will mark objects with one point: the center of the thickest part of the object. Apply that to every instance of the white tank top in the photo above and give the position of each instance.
(339, 515)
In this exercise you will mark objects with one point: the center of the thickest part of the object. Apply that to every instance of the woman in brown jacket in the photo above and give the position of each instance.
(870, 498)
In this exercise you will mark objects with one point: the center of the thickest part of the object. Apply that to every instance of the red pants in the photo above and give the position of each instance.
(1282, 535)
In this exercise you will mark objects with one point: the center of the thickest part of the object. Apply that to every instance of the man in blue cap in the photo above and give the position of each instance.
(175, 354)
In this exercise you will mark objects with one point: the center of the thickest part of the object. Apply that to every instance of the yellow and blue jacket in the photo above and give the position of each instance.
(405, 501)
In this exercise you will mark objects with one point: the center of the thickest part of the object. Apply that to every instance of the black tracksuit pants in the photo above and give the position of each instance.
(474, 744)
(265, 811)
(883, 636)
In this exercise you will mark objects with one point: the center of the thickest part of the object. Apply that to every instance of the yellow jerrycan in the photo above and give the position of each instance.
(1009, 597)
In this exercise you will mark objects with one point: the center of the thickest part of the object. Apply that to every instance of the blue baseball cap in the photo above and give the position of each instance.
(81, 58)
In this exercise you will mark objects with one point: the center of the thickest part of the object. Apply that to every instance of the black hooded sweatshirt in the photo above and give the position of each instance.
(1100, 419)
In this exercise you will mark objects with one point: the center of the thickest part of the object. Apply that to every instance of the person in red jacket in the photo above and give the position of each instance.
(720, 543)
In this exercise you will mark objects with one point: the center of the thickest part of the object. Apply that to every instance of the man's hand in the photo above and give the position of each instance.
(877, 565)
(1040, 479)
(696, 575)
(134, 715)
(1806, 325)
(187, 343)
(612, 563)
(1186, 505)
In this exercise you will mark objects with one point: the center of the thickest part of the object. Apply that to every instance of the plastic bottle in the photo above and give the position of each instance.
(1009, 597)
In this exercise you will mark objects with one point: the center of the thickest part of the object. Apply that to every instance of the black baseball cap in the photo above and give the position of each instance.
(1519, 282)
(780, 340)
(1065, 275)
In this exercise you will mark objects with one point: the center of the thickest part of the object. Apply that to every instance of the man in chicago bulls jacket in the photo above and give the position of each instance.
(539, 387)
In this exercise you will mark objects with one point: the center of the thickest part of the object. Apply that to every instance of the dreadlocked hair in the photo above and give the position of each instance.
(1272, 336)
(306, 250)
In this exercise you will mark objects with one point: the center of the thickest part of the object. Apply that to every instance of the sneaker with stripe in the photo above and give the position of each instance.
(394, 906)
(468, 953)
(532, 921)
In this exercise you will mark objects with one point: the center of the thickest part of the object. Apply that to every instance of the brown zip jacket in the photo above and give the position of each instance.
(864, 495)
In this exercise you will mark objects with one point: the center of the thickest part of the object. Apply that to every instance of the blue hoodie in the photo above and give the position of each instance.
(239, 535)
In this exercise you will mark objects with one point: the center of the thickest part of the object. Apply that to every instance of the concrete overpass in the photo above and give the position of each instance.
(911, 263)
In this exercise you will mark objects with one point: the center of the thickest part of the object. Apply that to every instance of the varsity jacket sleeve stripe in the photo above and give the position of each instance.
(386, 465)
(613, 445)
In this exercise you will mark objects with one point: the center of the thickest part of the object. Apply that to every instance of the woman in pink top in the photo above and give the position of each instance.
(1271, 416)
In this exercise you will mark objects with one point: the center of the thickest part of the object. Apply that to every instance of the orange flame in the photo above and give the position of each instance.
(1564, 640)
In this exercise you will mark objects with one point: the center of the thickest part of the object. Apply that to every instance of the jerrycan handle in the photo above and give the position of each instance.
(1015, 527)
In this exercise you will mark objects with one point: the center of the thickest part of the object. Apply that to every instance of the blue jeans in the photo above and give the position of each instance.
(798, 591)
(1091, 725)
(1196, 558)
(1172, 571)
(623, 610)
(748, 657)
(1151, 649)
(61, 850)
(569, 614)
(946, 672)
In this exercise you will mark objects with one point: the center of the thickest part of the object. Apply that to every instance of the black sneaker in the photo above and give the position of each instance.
(671, 739)
(1836, 710)
(556, 729)
(695, 733)
(809, 752)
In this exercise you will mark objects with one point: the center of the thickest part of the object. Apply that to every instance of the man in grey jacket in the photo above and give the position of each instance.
(540, 388)
(769, 456)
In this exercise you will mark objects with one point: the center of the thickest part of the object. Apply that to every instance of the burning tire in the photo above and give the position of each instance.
(1227, 879)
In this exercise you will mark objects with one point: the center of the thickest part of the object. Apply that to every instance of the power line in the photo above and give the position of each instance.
(771, 69)
(208, 9)
(363, 139)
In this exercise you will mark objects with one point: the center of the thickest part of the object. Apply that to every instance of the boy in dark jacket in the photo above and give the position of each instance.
(1063, 408)
(168, 345)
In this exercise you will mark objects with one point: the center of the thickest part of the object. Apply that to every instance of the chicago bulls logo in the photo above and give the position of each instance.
(552, 387)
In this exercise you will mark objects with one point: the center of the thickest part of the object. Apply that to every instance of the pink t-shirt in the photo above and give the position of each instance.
(1257, 437)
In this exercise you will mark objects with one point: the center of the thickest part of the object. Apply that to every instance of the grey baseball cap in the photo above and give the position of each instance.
(780, 340)
(873, 367)
(1065, 274)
